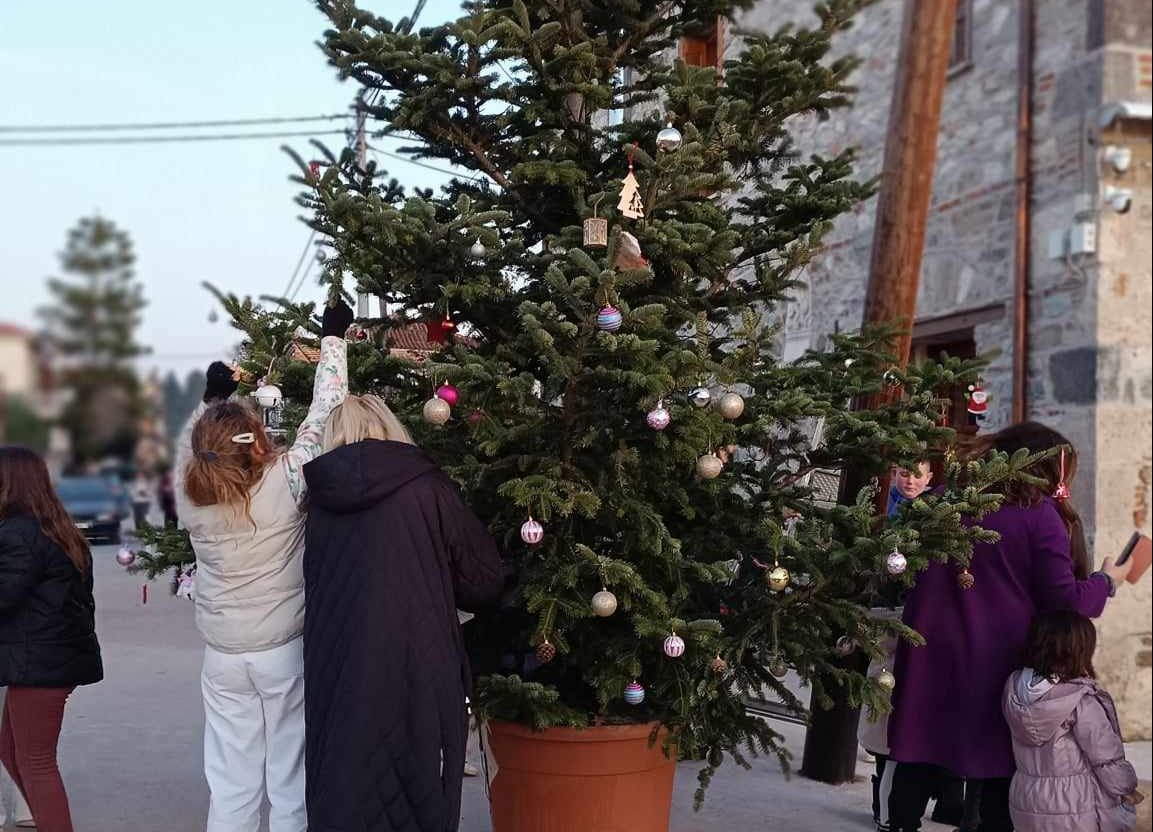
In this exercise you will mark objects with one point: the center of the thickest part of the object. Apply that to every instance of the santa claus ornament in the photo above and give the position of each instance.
(978, 402)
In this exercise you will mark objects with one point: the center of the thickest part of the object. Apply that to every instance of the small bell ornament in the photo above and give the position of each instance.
(709, 466)
(700, 397)
(674, 646)
(896, 563)
(731, 406)
(659, 417)
(886, 679)
(448, 393)
(778, 578)
(125, 557)
(1061, 494)
(545, 652)
(718, 665)
(609, 318)
(669, 138)
(604, 603)
(531, 532)
(634, 693)
(436, 411)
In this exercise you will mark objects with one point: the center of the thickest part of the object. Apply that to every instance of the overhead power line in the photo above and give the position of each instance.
(163, 125)
(125, 140)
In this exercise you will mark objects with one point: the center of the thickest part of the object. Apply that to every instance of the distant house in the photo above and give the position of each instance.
(23, 371)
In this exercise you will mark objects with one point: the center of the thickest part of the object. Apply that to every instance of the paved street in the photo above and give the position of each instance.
(131, 745)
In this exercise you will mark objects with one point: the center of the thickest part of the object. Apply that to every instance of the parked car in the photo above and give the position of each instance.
(95, 506)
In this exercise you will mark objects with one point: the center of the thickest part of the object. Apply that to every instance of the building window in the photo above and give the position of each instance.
(962, 52)
(704, 46)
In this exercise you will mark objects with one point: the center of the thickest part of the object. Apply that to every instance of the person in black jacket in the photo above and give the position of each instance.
(391, 553)
(48, 640)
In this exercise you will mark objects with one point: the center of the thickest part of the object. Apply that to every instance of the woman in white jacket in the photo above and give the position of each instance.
(241, 504)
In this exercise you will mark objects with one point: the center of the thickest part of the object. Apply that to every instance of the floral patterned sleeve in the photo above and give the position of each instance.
(328, 390)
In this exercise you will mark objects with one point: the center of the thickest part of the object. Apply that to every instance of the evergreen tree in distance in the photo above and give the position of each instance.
(618, 415)
(91, 325)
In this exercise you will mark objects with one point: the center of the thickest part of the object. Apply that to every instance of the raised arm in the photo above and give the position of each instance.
(1054, 585)
(219, 383)
(477, 571)
(328, 390)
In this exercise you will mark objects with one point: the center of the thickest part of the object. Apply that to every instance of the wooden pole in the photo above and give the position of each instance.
(891, 297)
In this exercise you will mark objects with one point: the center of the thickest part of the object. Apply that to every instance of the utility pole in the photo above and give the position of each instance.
(891, 297)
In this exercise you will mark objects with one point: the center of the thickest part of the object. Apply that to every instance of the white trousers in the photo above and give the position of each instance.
(254, 738)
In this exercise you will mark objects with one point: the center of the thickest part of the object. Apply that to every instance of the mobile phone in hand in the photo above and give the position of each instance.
(1140, 548)
(1127, 552)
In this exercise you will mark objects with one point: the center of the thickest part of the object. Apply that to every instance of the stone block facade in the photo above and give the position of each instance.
(1089, 322)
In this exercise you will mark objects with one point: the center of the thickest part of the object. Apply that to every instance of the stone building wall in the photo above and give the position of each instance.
(1088, 322)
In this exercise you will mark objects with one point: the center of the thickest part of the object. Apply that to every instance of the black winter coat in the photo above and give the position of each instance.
(392, 552)
(47, 614)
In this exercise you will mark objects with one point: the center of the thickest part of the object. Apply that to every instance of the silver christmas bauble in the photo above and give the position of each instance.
(709, 466)
(896, 563)
(604, 604)
(669, 138)
(125, 557)
(731, 406)
(701, 397)
(436, 411)
(268, 396)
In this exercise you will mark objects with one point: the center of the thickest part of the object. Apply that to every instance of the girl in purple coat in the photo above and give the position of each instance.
(947, 704)
(1072, 775)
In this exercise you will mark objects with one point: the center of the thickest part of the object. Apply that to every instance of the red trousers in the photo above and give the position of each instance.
(28, 737)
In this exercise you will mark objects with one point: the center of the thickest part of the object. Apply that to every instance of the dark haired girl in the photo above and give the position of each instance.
(47, 630)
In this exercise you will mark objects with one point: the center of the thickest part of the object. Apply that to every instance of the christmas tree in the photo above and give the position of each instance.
(596, 305)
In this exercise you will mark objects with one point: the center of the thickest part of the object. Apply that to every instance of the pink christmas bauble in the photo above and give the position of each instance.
(449, 393)
(658, 418)
(634, 693)
(674, 646)
(125, 557)
(531, 532)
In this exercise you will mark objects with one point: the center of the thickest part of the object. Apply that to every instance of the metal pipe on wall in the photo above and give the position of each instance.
(1023, 177)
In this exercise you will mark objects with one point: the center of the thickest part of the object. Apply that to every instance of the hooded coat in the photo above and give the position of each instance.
(1071, 767)
(391, 553)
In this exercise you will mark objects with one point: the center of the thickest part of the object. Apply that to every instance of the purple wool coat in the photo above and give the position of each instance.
(947, 703)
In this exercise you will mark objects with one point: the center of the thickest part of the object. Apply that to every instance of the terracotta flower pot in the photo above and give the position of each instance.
(607, 778)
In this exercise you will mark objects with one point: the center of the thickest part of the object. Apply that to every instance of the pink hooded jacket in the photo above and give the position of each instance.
(1071, 767)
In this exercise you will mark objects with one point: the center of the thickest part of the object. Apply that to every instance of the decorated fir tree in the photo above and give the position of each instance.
(596, 361)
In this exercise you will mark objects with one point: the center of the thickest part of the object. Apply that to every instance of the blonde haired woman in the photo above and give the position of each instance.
(240, 501)
(391, 553)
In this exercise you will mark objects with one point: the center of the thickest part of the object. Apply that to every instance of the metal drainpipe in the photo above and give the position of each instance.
(1023, 248)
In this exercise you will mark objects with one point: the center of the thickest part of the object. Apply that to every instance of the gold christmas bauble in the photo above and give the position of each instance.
(709, 466)
(436, 411)
(604, 603)
(777, 578)
(731, 406)
(886, 679)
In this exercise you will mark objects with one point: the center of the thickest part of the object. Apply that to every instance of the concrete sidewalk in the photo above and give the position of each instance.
(131, 747)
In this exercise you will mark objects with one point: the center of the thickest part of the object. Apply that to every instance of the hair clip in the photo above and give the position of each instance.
(245, 438)
(207, 456)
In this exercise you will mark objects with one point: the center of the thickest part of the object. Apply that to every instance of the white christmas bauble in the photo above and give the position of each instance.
(604, 604)
(731, 406)
(659, 417)
(674, 646)
(709, 466)
(896, 563)
(477, 250)
(701, 397)
(268, 396)
(125, 557)
(436, 411)
(531, 532)
(669, 138)
(886, 679)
